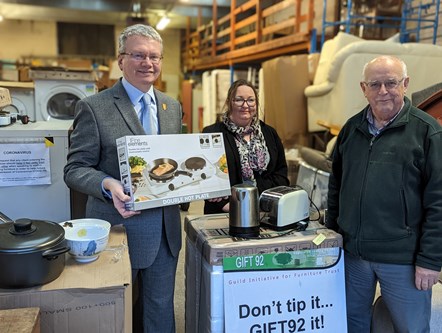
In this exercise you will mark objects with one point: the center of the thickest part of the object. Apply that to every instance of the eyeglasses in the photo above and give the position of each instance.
(239, 101)
(139, 56)
(389, 84)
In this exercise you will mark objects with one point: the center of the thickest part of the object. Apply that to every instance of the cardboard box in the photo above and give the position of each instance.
(211, 233)
(88, 297)
(208, 242)
(196, 172)
(9, 74)
(23, 74)
(285, 104)
(313, 61)
(82, 64)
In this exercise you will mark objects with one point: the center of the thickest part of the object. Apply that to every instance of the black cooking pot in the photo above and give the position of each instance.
(32, 252)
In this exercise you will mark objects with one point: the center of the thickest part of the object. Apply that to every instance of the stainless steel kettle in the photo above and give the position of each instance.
(244, 211)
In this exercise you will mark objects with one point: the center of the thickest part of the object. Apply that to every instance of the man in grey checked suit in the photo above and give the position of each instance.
(154, 235)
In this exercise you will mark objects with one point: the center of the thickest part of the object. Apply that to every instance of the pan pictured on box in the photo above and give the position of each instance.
(167, 175)
(32, 252)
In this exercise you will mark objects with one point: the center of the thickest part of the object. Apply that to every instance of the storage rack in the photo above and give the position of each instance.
(415, 17)
(419, 16)
(253, 31)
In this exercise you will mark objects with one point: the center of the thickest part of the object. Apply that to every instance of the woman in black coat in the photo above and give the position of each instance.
(254, 151)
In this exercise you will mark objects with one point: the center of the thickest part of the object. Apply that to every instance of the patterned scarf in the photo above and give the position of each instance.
(254, 154)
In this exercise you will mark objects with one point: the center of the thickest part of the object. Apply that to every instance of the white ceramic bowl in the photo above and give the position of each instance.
(86, 238)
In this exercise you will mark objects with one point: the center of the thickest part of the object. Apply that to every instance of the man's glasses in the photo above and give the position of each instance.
(239, 101)
(389, 84)
(139, 56)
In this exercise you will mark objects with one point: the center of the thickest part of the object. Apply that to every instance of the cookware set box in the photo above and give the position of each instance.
(162, 170)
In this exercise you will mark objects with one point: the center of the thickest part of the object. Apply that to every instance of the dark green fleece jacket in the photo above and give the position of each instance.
(385, 192)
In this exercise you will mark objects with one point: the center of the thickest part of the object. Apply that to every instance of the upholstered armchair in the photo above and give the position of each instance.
(335, 94)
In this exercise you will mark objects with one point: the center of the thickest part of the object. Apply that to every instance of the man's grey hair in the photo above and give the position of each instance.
(138, 30)
(390, 58)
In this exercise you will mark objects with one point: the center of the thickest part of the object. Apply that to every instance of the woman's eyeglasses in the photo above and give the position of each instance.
(139, 56)
(239, 101)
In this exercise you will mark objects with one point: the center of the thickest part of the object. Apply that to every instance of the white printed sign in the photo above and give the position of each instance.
(299, 291)
(24, 164)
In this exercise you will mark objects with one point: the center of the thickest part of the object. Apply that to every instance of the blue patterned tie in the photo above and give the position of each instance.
(145, 116)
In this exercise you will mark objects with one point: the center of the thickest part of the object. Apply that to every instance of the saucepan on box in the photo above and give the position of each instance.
(32, 252)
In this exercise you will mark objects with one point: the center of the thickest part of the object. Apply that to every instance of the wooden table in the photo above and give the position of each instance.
(24, 320)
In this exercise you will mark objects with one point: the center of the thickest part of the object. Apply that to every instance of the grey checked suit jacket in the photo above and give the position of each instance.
(100, 120)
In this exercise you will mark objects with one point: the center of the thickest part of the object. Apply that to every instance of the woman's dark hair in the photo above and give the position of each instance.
(232, 91)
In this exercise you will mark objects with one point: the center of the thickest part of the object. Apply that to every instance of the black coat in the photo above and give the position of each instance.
(275, 175)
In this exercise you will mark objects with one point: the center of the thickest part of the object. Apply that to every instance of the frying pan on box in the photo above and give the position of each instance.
(167, 175)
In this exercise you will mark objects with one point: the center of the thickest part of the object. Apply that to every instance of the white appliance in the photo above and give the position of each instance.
(23, 102)
(315, 182)
(48, 202)
(56, 99)
(285, 207)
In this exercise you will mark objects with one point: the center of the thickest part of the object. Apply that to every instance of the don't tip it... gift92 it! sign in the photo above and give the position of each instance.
(286, 292)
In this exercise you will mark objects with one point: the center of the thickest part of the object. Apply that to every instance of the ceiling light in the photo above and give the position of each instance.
(161, 25)
(136, 7)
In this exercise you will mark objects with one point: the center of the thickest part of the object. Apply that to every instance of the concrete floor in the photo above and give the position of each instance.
(196, 208)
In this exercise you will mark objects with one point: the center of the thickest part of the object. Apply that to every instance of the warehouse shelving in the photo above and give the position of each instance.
(420, 16)
(411, 18)
(254, 30)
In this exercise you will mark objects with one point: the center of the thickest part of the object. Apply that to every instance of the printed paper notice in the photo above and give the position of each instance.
(24, 164)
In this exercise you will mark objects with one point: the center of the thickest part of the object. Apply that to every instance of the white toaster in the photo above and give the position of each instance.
(285, 207)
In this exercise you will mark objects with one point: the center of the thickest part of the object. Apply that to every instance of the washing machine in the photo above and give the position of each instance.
(23, 101)
(56, 99)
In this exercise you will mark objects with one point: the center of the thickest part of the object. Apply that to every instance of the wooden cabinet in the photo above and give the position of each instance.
(186, 90)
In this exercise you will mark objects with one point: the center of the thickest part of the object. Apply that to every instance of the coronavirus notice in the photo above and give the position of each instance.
(24, 164)
(263, 298)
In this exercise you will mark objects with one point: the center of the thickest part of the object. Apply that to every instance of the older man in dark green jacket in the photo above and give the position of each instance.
(385, 198)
